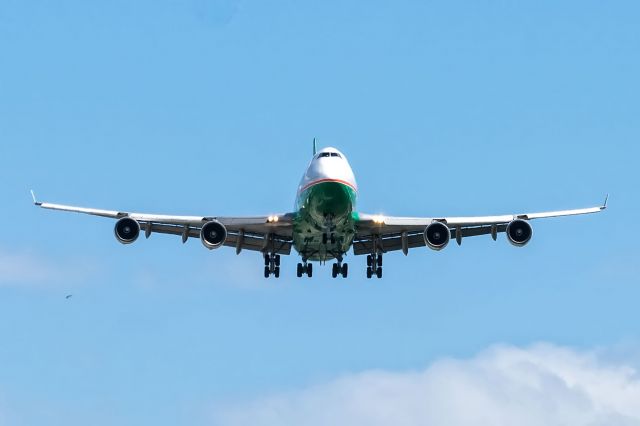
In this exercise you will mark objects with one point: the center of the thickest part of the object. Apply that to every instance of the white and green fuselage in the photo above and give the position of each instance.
(324, 225)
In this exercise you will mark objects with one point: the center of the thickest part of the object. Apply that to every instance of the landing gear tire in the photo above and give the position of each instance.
(271, 265)
(374, 265)
(304, 268)
(339, 268)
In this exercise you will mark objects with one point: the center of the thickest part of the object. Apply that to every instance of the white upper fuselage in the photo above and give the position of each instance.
(327, 165)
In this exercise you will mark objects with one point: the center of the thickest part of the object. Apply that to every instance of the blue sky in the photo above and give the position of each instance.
(209, 107)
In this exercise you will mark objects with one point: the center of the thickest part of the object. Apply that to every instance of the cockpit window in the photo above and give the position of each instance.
(328, 154)
(324, 154)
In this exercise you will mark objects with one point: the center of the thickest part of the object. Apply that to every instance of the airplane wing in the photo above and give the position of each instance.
(389, 233)
(271, 233)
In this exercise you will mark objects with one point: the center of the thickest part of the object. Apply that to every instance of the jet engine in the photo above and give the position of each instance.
(437, 236)
(213, 234)
(519, 232)
(127, 230)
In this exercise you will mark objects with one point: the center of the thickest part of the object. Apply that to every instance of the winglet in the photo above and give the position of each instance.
(314, 146)
(606, 199)
(35, 200)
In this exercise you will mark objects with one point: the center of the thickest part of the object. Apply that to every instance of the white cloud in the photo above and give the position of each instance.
(28, 268)
(541, 385)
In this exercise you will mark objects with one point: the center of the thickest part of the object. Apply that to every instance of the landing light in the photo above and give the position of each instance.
(272, 219)
(378, 219)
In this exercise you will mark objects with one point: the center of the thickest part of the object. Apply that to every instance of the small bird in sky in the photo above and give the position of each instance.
(68, 296)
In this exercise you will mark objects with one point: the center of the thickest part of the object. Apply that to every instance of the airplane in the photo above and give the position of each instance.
(324, 225)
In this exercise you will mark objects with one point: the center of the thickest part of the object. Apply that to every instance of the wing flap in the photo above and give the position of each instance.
(392, 242)
(254, 242)
(386, 243)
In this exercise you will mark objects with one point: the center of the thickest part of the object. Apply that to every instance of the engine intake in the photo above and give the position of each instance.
(519, 232)
(213, 234)
(437, 236)
(127, 230)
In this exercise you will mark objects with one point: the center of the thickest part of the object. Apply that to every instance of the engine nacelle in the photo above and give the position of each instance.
(519, 232)
(127, 230)
(437, 236)
(213, 234)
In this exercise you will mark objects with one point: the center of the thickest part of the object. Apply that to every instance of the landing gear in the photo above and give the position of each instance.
(271, 265)
(305, 268)
(328, 238)
(374, 265)
(339, 268)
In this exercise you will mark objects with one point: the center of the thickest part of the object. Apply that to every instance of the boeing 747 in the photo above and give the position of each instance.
(324, 225)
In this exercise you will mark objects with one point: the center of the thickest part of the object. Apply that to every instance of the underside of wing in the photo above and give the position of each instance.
(271, 233)
(255, 237)
(376, 233)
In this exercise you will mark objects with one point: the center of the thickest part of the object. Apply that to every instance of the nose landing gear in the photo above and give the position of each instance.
(326, 238)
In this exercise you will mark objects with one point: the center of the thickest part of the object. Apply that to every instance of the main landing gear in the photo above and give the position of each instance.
(271, 265)
(340, 268)
(374, 265)
(305, 269)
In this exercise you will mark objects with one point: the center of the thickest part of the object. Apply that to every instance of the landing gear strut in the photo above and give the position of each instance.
(374, 265)
(271, 265)
(305, 268)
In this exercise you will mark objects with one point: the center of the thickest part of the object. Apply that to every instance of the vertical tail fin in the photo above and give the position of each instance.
(314, 146)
